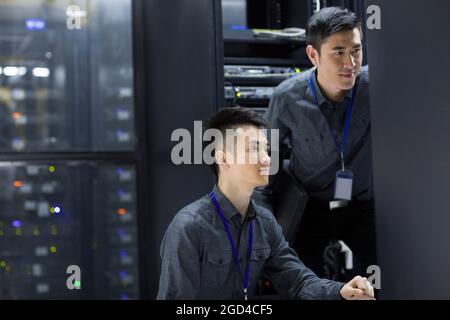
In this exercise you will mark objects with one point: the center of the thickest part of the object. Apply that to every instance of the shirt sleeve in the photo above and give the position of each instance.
(275, 113)
(180, 254)
(275, 118)
(290, 276)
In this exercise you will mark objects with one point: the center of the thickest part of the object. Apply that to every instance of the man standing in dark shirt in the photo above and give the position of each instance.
(218, 246)
(324, 114)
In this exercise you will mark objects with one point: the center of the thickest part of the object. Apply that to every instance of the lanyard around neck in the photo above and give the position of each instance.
(235, 254)
(340, 146)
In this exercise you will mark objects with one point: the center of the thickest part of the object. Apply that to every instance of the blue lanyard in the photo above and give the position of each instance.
(235, 254)
(340, 146)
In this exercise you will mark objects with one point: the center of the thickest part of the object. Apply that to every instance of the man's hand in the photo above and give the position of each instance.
(358, 288)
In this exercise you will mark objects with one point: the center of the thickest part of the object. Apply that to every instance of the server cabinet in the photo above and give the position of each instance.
(181, 80)
(409, 59)
(67, 151)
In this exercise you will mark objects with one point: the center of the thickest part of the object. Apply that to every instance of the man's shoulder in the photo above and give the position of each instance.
(295, 85)
(263, 212)
(194, 213)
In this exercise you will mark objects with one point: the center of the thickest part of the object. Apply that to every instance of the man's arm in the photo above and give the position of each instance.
(180, 254)
(289, 275)
(275, 119)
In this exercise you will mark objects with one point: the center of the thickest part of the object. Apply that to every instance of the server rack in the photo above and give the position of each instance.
(88, 179)
(255, 64)
(68, 158)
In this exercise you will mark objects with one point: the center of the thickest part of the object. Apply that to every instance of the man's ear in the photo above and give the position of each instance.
(313, 54)
(220, 158)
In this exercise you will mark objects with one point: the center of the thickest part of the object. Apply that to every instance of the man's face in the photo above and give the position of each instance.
(248, 160)
(340, 59)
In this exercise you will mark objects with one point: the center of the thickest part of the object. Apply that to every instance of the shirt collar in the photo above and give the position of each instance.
(320, 97)
(228, 209)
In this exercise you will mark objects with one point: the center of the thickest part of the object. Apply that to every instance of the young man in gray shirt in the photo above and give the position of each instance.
(218, 246)
(324, 113)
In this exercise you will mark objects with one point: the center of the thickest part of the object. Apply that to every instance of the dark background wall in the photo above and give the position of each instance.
(409, 61)
(178, 57)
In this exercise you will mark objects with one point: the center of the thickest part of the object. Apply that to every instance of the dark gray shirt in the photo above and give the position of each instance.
(198, 263)
(315, 158)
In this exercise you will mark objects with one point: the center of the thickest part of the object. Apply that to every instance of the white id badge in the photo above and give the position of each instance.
(343, 186)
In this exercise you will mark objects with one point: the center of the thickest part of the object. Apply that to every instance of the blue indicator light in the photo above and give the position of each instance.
(35, 24)
(16, 223)
(238, 27)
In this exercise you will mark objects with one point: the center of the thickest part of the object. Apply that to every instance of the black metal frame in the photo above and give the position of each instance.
(142, 148)
(70, 157)
(151, 48)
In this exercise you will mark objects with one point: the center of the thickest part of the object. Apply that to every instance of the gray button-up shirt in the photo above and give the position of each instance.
(198, 262)
(315, 158)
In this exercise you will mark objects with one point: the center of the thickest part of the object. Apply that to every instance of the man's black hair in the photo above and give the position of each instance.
(231, 118)
(328, 21)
